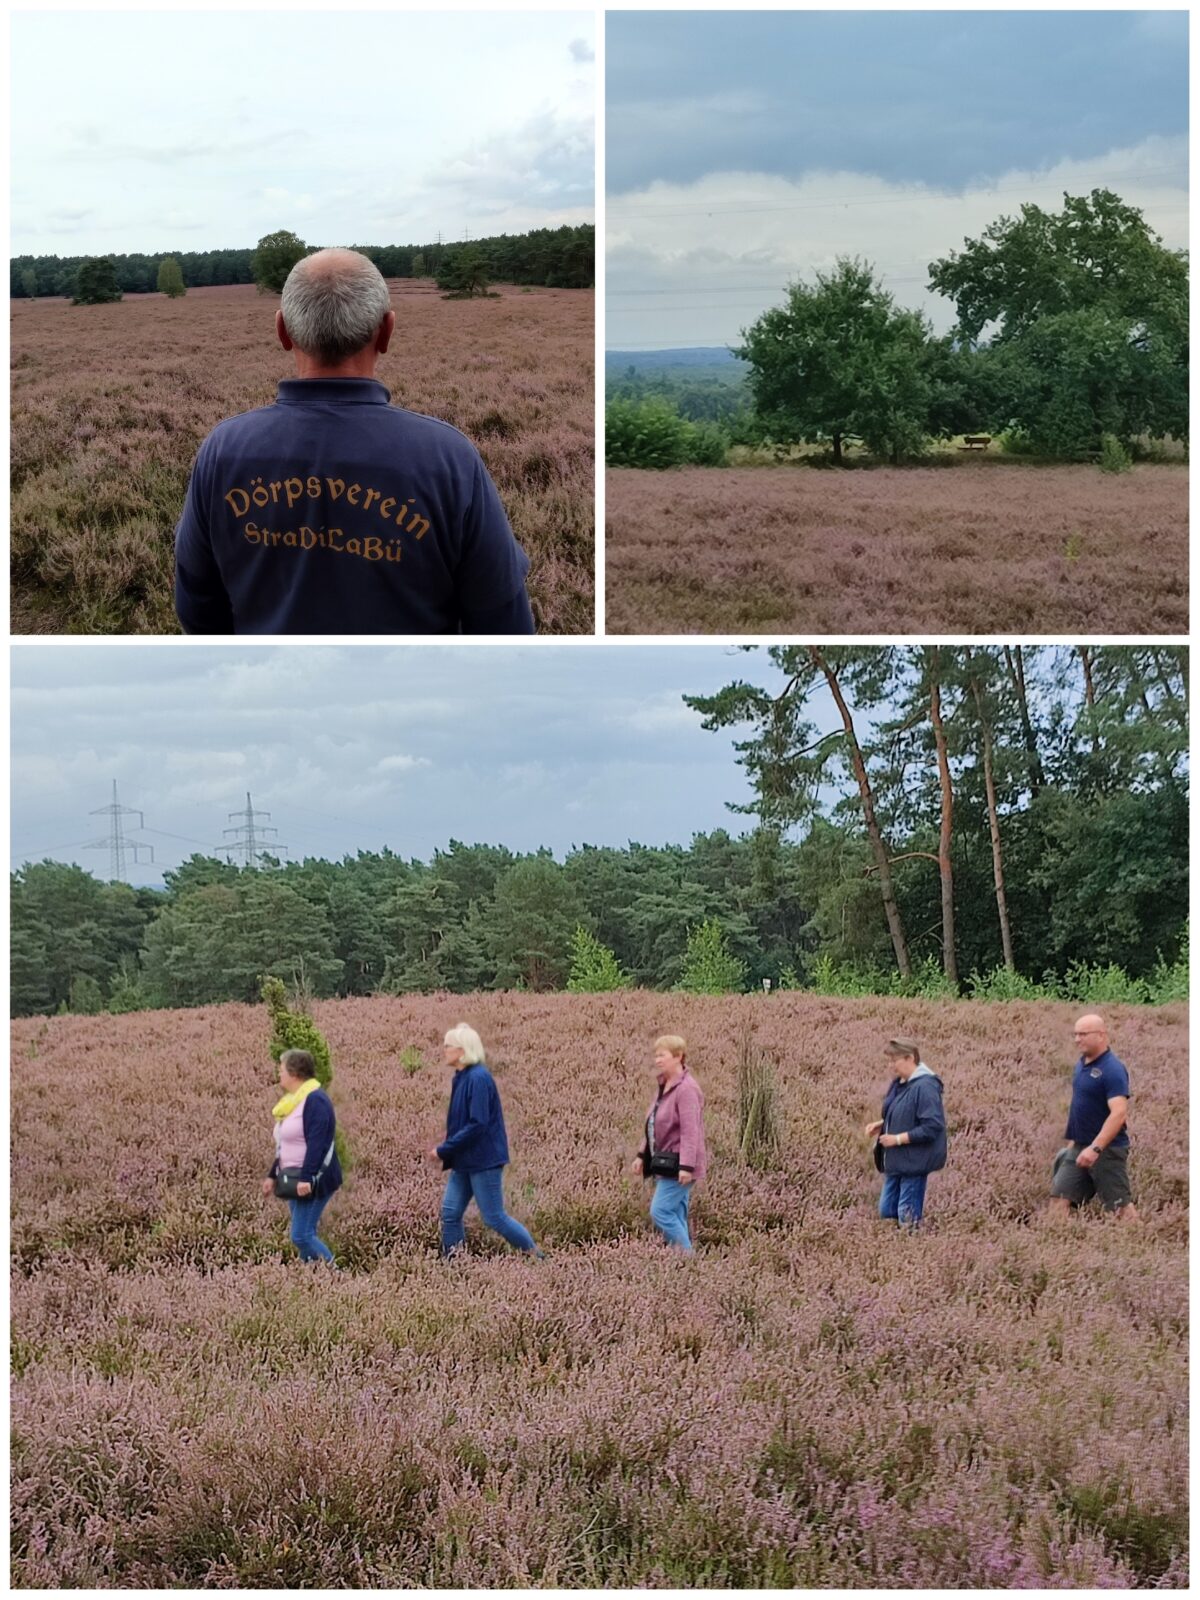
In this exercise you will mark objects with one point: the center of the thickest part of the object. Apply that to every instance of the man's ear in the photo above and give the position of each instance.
(281, 331)
(386, 328)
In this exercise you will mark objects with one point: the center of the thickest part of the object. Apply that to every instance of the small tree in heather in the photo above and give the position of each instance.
(758, 1113)
(85, 998)
(292, 1030)
(594, 967)
(96, 283)
(170, 278)
(275, 257)
(463, 273)
(709, 966)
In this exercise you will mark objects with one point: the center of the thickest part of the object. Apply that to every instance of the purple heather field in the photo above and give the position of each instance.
(813, 1400)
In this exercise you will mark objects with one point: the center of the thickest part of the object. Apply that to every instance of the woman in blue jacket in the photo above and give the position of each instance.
(304, 1147)
(475, 1149)
(911, 1134)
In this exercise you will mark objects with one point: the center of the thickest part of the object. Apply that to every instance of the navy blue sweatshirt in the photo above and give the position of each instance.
(475, 1137)
(333, 511)
(320, 1124)
(914, 1107)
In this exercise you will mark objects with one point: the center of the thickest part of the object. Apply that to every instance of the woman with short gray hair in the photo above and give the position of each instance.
(475, 1149)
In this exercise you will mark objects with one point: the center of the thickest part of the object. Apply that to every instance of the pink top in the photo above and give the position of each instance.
(290, 1144)
(679, 1124)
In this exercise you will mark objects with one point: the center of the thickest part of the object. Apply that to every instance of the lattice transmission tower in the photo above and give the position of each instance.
(251, 840)
(120, 849)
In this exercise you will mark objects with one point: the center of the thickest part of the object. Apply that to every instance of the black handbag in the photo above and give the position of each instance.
(877, 1153)
(288, 1179)
(663, 1164)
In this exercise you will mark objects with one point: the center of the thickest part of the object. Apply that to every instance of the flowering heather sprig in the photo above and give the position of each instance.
(814, 1400)
(985, 547)
(111, 402)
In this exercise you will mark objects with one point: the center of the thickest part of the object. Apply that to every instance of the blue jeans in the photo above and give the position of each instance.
(669, 1211)
(306, 1217)
(903, 1199)
(485, 1188)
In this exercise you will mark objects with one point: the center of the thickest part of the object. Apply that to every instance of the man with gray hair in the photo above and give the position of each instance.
(333, 511)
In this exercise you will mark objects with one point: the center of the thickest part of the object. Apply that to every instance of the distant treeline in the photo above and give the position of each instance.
(1011, 821)
(1071, 343)
(552, 258)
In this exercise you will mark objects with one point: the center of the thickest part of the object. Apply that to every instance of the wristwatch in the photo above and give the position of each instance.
(1099, 1149)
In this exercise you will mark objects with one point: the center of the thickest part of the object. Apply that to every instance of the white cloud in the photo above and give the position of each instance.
(402, 763)
(693, 264)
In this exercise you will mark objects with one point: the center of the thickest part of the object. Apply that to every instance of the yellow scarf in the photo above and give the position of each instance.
(285, 1107)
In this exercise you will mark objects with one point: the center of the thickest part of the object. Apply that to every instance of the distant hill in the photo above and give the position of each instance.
(618, 361)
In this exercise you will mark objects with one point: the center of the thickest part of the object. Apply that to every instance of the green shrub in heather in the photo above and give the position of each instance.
(709, 966)
(295, 1030)
(645, 433)
(594, 967)
(85, 998)
(1114, 457)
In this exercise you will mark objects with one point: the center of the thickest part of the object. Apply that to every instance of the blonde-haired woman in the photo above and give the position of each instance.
(475, 1149)
(673, 1151)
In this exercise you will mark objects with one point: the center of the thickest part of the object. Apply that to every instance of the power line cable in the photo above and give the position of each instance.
(725, 208)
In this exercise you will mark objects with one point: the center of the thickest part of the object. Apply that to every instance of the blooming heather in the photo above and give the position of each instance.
(998, 1401)
(110, 405)
(983, 547)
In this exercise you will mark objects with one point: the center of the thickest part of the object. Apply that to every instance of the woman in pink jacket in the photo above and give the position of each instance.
(673, 1152)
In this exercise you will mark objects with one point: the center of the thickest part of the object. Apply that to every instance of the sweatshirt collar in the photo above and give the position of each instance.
(336, 391)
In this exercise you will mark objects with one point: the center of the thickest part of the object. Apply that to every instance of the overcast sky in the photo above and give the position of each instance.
(358, 748)
(747, 149)
(149, 131)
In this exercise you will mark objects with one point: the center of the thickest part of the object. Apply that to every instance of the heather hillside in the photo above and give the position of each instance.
(110, 402)
(813, 1400)
(986, 546)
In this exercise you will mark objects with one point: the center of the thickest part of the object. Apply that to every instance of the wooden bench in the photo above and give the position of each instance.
(975, 441)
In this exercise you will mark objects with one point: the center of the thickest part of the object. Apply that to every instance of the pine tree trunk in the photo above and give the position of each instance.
(1016, 671)
(878, 848)
(837, 449)
(1089, 694)
(994, 824)
(946, 831)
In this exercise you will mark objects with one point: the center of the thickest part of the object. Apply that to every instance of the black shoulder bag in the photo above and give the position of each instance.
(658, 1163)
(288, 1178)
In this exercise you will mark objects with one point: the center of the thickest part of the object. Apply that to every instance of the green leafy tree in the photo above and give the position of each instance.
(29, 283)
(594, 967)
(419, 268)
(170, 278)
(276, 255)
(709, 967)
(1087, 313)
(839, 359)
(96, 283)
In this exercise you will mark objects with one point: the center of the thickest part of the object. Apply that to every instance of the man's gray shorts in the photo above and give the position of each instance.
(1108, 1177)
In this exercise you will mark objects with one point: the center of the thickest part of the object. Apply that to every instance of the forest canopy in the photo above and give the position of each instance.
(945, 819)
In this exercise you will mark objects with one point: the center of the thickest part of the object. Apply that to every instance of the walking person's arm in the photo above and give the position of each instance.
(1118, 1110)
(691, 1134)
(479, 1114)
(319, 1124)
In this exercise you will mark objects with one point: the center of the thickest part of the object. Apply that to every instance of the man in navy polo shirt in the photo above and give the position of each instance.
(333, 511)
(1097, 1160)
